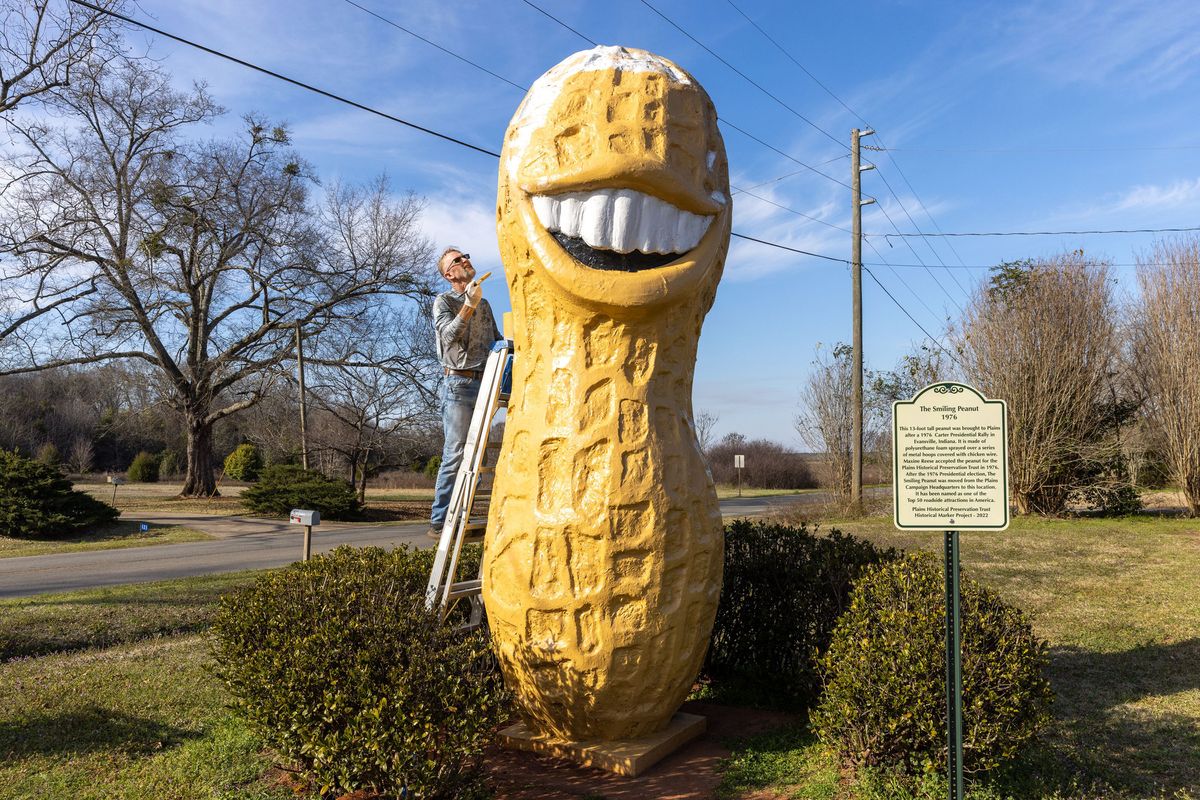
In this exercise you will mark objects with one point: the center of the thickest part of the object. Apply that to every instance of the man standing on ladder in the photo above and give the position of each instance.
(466, 331)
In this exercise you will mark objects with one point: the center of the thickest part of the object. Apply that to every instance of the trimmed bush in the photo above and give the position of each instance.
(48, 454)
(783, 591)
(341, 669)
(432, 466)
(144, 468)
(169, 464)
(244, 463)
(37, 502)
(884, 674)
(283, 487)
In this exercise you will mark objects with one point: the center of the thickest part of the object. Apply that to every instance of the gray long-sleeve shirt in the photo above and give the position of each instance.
(463, 344)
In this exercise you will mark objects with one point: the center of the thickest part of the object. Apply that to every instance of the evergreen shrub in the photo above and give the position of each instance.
(244, 463)
(432, 466)
(282, 487)
(341, 669)
(169, 464)
(144, 468)
(884, 674)
(37, 502)
(783, 591)
(48, 454)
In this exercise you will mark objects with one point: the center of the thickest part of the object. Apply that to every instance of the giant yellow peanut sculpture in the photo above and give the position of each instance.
(604, 547)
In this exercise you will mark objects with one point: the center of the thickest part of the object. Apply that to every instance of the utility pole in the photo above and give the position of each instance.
(303, 414)
(856, 390)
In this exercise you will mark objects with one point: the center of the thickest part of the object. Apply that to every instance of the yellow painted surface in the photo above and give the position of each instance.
(604, 544)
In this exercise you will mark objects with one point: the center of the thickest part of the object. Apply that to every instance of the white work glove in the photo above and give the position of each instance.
(473, 295)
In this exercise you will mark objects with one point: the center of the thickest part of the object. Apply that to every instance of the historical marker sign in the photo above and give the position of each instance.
(950, 460)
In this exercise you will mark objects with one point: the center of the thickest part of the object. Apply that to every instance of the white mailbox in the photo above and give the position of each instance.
(301, 517)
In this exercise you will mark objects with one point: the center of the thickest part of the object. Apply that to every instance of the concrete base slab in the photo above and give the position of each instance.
(629, 757)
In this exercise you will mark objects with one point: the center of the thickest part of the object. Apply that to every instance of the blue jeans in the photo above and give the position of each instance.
(458, 403)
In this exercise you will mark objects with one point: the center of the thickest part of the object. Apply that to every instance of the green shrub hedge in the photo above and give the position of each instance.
(783, 591)
(338, 665)
(37, 502)
(144, 468)
(244, 463)
(884, 674)
(283, 487)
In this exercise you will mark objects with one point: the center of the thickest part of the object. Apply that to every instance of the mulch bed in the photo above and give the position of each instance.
(690, 773)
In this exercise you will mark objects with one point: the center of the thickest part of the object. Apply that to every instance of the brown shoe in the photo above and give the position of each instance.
(434, 533)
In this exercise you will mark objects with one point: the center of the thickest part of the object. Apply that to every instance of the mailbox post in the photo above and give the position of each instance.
(739, 461)
(308, 519)
(115, 481)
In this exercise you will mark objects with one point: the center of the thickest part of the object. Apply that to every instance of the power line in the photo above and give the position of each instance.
(790, 210)
(286, 79)
(791, 174)
(937, 343)
(723, 121)
(778, 46)
(924, 208)
(437, 46)
(1042, 233)
(844, 105)
(560, 22)
(789, 157)
(789, 249)
(883, 262)
(917, 255)
(1018, 150)
(746, 77)
(914, 224)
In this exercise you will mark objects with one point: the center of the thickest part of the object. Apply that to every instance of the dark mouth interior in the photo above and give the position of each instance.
(589, 256)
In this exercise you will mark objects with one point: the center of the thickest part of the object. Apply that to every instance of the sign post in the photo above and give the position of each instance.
(950, 473)
(738, 463)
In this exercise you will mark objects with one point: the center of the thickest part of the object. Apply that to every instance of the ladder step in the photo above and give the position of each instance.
(465, 589)
(483, 470)
(475, 525)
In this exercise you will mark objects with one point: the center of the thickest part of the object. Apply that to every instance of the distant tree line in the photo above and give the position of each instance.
(1103, 398)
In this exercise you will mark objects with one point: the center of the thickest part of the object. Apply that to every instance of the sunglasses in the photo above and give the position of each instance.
(459, 259)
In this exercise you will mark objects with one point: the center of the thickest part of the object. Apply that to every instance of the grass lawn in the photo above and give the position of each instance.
(113, 698)
(122, 534)
(1119, 602)
(104, 693)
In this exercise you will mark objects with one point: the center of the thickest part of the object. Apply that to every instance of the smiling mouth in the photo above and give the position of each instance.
(619, 229)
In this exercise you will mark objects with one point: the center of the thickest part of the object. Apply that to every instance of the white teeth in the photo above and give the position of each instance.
(622, 220)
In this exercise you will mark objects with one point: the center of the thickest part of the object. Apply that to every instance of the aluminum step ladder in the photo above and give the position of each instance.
(467, 516)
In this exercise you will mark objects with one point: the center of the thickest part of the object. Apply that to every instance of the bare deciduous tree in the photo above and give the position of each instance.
(203, 256)
(374, 382)
(826, 422)
(1041, 336)
(1166, 350)
(42, 41)
(706, 424)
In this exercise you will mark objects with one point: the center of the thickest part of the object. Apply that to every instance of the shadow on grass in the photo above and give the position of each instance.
(1099, 747)
(86, 730)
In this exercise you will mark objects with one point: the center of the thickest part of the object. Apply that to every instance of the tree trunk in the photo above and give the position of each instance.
(362, 488)
(200, 481)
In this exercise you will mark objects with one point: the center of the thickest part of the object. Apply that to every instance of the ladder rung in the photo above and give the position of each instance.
(483, 470)
(475, 525)
(465, 589)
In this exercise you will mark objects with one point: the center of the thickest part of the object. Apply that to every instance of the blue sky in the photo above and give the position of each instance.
(1006, 116)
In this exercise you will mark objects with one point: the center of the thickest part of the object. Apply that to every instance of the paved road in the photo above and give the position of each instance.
(242, 543)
